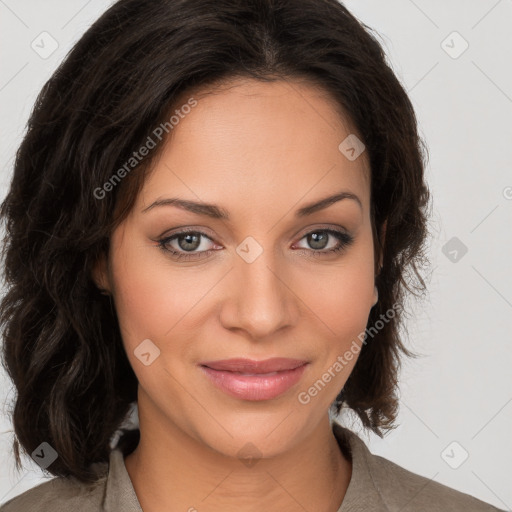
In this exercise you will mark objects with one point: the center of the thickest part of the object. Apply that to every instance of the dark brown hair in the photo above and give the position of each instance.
(62, 344)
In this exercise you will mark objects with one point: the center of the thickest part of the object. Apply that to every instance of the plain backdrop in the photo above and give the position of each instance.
(454, 58)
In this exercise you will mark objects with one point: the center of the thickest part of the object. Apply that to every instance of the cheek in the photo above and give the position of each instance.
(341, 296)
(150, 298)
(340, 304)
(153, 302)
(348, 312)
(345, 313)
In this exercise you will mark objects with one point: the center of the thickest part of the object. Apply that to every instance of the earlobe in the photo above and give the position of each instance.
(375, 296)
(100, 275)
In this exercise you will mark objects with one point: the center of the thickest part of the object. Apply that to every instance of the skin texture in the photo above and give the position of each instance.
(260, 151)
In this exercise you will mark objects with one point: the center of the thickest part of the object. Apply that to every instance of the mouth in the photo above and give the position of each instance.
(254, 380)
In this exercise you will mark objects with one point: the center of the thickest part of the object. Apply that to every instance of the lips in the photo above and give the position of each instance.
(276, 364)
(254, 380)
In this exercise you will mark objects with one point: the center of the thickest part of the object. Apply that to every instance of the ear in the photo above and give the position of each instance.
(100, 274)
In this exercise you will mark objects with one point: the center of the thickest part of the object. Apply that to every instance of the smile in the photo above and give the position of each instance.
(261, 380)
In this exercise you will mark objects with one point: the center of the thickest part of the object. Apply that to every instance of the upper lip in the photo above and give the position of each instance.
(275, 364)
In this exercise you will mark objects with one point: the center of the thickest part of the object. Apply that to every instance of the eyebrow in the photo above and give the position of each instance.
(216, 212)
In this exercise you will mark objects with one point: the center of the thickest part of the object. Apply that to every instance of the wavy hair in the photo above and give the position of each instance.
(62, 345)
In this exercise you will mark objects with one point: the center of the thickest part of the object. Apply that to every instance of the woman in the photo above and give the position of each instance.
(212, 215)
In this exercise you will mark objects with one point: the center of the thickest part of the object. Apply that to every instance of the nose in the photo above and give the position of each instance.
(259, 300)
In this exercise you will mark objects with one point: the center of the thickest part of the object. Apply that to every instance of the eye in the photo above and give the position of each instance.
(319, 240)
(191, 245)
(185, 245)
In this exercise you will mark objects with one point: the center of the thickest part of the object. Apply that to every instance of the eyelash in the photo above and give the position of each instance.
(344, 238)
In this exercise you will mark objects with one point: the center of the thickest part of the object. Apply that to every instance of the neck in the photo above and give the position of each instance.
(171, 470)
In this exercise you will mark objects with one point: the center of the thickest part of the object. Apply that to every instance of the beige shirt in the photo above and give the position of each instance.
(376, 485)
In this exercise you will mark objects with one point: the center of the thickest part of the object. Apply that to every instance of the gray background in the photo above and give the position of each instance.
(460, 391)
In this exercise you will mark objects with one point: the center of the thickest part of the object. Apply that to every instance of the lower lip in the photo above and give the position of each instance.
(255, 387)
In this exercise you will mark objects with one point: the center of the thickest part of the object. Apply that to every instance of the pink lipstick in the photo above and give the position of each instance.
(254, 380)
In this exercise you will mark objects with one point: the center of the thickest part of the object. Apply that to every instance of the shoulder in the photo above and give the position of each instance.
(401, 487)
(59, 495)
(382, 484)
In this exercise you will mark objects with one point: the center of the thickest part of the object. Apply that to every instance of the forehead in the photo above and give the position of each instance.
(259, 142)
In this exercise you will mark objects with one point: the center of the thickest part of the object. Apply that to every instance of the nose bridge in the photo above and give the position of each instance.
(262, 300)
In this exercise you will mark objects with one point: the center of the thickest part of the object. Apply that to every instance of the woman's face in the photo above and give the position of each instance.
(262, 282)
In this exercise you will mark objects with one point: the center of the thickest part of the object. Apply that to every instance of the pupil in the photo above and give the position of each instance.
(316, 240)
(188, 242)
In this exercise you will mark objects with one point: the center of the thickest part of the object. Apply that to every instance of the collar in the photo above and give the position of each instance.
(362, 493)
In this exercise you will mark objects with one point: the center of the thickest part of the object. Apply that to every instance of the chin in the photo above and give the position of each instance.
(267, 435)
